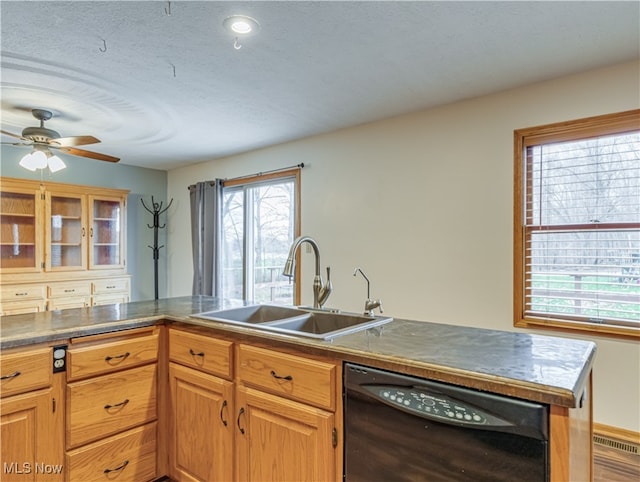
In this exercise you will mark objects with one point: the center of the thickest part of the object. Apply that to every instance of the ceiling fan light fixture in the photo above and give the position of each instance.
(40, 158)
(55, 163)
(36, 159)
(241, 25)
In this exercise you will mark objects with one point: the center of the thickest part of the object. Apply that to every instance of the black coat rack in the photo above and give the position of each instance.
(156, 211)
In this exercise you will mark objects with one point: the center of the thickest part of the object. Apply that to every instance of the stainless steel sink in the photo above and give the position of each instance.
(305, 322)
(253, 314)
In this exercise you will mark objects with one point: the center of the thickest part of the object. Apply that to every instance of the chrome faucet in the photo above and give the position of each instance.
(369, 304)
(320, 292)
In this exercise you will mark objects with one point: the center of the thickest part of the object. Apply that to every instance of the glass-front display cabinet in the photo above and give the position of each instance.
(66, 232)
(21, 232)
(106, 233)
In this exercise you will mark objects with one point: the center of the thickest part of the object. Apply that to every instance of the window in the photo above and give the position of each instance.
(260, 222)
(577, 225)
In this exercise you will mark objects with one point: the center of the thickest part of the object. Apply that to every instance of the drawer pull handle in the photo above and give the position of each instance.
(193, 353)
(110, 287)
(70, 290)
(224, 405)
(12, 375)
(238, 420)
(275, 375)
(117, 357)
(119, 467)
(117, 405)
(24, 293)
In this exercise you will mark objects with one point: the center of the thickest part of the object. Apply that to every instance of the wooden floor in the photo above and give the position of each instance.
(611, 465)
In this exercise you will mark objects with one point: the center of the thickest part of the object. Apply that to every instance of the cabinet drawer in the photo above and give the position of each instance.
(110, 285)
(110, 299)
(294, 377)
(22, 307)
(75, 288)
(68, 303)
(126, 457)
(201, 352)
(107, 357)
(105, 405)
(21, 292)
(25, 371)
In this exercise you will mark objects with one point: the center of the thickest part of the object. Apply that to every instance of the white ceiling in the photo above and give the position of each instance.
(171, 90)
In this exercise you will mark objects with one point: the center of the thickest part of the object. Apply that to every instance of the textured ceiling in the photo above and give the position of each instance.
(164, 90)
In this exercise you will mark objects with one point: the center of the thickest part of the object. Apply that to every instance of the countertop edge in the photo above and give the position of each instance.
(551, 395)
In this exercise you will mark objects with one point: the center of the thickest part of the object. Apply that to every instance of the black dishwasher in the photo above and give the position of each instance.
(401, 428)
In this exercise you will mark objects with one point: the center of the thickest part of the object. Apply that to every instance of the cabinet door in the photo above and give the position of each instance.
(282, 440)
(30, 451)
(106, 232)
(20, 230)
(66, 232)
(201, 425)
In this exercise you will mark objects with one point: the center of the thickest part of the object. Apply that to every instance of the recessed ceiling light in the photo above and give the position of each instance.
(241, 24)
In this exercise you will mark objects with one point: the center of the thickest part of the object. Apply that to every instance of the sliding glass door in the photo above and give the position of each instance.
(259, 223)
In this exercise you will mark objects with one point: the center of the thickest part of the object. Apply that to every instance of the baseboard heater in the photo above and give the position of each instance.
(627, 447)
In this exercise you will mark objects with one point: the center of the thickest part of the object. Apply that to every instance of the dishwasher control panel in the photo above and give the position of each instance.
(433, 406)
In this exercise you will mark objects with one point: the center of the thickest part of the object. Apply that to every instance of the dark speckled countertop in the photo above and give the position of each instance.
(542, 368)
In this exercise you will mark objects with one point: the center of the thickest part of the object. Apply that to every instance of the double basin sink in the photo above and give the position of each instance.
(307, 322)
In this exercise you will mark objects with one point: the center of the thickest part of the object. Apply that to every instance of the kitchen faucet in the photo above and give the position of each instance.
(320, 292)
(369, 304)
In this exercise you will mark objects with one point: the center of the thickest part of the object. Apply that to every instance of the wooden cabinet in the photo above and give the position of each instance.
(111, 406)
(84, 230)
(20, 228)
(283, 440)
(26, 298)
(201, 426)
(285, 405)
(30, 417)
(108, 291)
(274, 418)
(66, 231)
(106, 233)
(125, 457)
(202, 408)
(66, 238)
(68, 294)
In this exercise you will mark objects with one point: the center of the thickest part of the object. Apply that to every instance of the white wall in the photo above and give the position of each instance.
(423, 204)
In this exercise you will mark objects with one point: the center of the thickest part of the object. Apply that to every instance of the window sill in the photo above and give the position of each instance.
(577, 327)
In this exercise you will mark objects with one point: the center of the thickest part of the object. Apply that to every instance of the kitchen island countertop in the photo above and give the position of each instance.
(547, 369)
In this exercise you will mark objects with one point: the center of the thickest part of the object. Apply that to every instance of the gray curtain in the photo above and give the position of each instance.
(206, 236)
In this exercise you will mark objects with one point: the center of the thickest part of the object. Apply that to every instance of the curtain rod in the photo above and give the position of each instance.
(262, 173)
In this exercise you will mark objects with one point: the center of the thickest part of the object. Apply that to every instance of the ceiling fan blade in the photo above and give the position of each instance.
(91, 155)
(74, 141)
(13, 135)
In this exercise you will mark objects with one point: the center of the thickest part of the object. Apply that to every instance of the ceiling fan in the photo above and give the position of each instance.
(43, 139)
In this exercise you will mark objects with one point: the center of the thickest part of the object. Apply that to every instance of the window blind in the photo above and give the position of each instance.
(582, 229)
